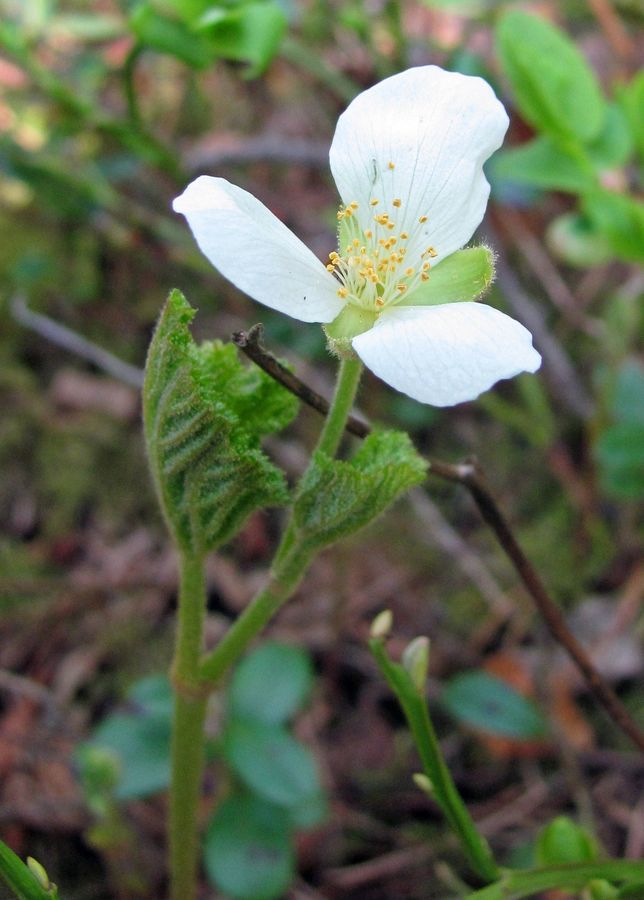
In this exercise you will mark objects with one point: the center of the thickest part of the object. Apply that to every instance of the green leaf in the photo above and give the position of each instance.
(208, 469)
(171, 37)
(562, 841)
(631, 99)
(270, 684)
(249, 33)
(620, 454)
(18, 876)
(139, 741)
(271, 763)
(620, 219)
(613, 146)
(486, 703)
(555, 89)
(463, 275)
(574, 239)
(337, 498)
(627, 395)
(541, 162)
(248, 851)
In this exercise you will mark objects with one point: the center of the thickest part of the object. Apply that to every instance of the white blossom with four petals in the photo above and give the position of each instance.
(407, 157)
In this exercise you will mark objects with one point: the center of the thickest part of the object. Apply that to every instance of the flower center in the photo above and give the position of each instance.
(372, 266)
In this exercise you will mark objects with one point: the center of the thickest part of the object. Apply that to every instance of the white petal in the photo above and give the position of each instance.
(257, 252)
(437, 128)
(446, 354)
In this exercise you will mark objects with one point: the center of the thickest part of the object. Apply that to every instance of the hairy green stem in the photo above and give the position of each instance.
(291, 560)
(188, 755)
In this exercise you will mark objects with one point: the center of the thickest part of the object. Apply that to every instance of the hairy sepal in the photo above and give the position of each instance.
(337, 498)
(204, 414)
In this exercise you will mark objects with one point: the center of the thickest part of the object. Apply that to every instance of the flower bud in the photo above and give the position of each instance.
(415, 661)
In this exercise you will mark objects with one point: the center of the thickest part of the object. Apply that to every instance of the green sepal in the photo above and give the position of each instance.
(562, 841)
(337, 498)
(463, 275)
(351, 321)
(202, 414)
(555, 88)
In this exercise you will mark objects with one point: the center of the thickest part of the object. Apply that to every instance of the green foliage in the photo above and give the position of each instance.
(248, 850)
(271, 684)
(620, 447)
(555, 88)
(562, 841)
(487, 703)
(631, 99)
(198, 33)
(138, 741)
(543, 163)
(271, 763)
(577, 241)
(620, 219)
(28, 882)
(464, 275)
(201, 427)
(337, 498)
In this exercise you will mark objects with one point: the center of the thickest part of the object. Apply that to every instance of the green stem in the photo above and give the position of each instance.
(188, 755)
(291, 559)
(345, 393)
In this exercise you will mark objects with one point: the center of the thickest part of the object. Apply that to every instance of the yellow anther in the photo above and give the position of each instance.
(422, 219)
(401, 288)
(391, 166)
(334, 255)
(397, 202)
(409, 271)
(379, 301)
(330, 268)
(432, 252)
(356, 242)
(426, 266)
(403, 235)
(342, 292)
(375, 202)
(390, 226)
(424, 277)
(363, 250)
(368, 234)
(353, 204)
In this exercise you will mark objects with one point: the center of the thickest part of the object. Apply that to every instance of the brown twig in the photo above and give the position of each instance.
(470, 475)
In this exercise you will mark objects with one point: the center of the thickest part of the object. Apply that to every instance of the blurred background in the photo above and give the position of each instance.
(107, 110)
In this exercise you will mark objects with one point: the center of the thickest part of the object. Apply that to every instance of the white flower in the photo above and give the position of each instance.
(407, 157)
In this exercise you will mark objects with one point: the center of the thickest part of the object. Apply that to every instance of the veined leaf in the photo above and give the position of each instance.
(337, 498)
(620, 219)
(543, 163)
(202, 438)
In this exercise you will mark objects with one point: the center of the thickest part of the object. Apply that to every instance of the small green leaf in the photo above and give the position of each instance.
(271, 763)
(562, 841)
(463, 275)
(248, 850)
(574, 239)
(139, 741)
(484, 702)
(541, 162)
(337, 498)
(203, 421)
(21, 879)
(556, 90)
(270, 684)
(171, 37)
(620, 454)
(627, 394)
(250, 32)
(620, 219)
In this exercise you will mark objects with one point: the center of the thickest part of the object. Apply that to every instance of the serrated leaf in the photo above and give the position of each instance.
(542, 163)
(463, 275)
(620, 219)
(337, 498)
(556, 90)
(248, 850)
(207, 466)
